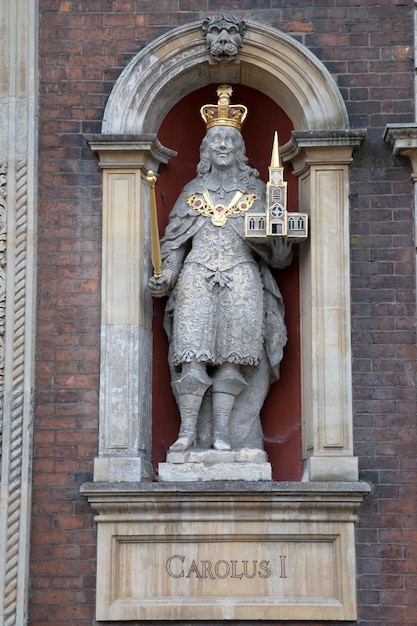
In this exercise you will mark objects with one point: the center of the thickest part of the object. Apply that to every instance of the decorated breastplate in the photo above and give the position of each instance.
(219, 248)
(219, 213)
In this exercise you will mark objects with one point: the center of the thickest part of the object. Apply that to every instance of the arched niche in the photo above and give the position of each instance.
(183, 129)
(320, 151)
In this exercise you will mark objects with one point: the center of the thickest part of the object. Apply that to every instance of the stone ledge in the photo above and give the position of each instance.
(322, 497)
(279, 488)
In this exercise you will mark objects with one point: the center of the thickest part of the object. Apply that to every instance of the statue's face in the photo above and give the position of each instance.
(222, 142)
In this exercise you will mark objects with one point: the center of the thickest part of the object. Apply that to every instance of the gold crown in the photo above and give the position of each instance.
(222, 113)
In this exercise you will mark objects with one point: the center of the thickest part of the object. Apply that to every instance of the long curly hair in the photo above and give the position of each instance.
(247, 173)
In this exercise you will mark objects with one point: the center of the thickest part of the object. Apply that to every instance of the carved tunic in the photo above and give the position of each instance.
(218, 300)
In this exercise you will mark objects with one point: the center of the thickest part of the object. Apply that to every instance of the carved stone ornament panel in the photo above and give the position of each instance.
(3, 241)
(224, 37)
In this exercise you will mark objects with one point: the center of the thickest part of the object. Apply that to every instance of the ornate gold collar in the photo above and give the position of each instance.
(219, 213)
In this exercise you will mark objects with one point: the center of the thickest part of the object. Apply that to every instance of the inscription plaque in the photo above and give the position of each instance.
(168, 576)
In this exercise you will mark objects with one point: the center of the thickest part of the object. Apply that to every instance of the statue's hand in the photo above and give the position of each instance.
(283, 245)
(159, 287)
(282, 251)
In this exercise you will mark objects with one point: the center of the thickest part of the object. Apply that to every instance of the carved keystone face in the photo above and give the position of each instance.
(222, 142)
(224, 40)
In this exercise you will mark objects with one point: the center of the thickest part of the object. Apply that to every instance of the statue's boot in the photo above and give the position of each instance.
(226, 387)
(190, 389)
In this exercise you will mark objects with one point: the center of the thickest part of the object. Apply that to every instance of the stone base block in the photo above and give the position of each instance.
(219, 471)
(123, 469)
(195, 465)
(326, 468)
(210, 457)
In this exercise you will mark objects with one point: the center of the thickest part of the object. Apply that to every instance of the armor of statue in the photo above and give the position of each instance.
(224, 316)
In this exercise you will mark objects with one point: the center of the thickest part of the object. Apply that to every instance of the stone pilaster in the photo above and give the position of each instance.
(18, 165)
(321, 160)
(126, 334)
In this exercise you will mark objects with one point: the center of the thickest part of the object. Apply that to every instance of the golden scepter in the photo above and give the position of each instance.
(155, 246)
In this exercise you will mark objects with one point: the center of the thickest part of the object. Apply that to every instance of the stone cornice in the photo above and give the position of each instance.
(330, 145)
(321, 138)
(401, 135)
(125, 150)
(403, 139)
(315, 499)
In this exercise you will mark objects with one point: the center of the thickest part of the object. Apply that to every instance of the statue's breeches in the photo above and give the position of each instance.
(218, 315)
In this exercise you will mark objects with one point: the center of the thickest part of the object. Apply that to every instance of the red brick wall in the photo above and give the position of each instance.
(84, 46)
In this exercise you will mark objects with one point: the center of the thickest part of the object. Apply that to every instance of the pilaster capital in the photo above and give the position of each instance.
(321, 147)
(403, 139)
(138, 151)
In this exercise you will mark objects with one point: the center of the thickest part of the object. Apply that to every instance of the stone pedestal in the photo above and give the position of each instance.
(226, 550)
(246, 464)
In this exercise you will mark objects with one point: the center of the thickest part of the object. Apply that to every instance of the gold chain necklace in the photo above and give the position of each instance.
(220, 212)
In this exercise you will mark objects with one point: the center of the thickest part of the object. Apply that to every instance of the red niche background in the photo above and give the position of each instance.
(182, 130)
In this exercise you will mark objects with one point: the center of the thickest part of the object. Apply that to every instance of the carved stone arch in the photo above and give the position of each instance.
(175, 64)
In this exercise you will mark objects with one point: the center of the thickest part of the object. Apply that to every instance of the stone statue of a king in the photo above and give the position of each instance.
(224, 316)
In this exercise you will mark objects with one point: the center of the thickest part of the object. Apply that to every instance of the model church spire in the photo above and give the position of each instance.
(276, 221)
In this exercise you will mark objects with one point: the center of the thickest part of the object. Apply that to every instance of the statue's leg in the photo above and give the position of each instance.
(227, 384)
(190, 388)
